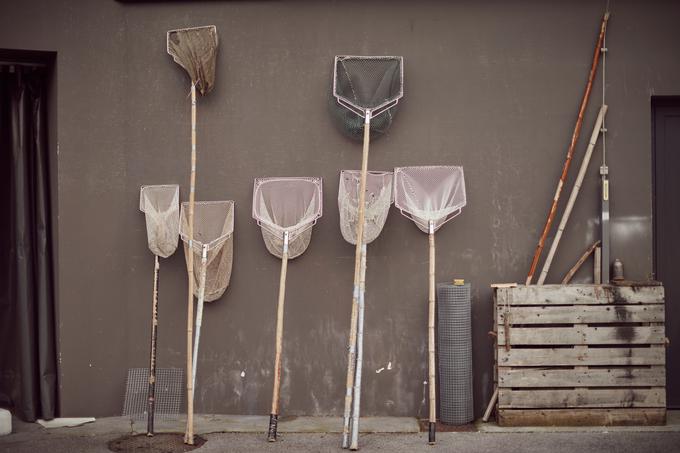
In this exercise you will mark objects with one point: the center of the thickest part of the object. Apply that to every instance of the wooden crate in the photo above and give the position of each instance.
(580, 355)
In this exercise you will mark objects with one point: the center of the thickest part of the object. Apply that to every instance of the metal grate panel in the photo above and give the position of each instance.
(169, 393)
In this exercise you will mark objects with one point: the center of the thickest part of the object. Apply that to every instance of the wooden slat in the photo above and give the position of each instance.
(582, 335)
(582, 314)
(581, 417)
(571, 357)
(593, 377)
(581, 398)
(580, 295)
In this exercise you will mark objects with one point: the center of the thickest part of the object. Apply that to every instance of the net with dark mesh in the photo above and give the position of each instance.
(366, 83)
(168, 395)
(160, 205)
(379, 197)
(429, 193)
(214, 228)
(195, 49)
(290, 205)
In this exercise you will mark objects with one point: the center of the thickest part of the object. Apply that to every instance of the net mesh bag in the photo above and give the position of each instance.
(379, 197)
(195, 49)
(290, 205)
(366, 83)
(430, 193)
(214, 228)
(160, 205)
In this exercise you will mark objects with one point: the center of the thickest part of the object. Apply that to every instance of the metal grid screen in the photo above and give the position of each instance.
(169, 392)
(455, 353)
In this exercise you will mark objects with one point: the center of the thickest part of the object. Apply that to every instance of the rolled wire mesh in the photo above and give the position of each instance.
(379, 197)
(214, 228)
(363, 83)
(455, 353)
(429, 193)
(195, 50)
(292, 205)
(160, 205)
(168, 393)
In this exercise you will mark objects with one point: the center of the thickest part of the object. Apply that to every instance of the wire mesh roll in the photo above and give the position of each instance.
(455, 353)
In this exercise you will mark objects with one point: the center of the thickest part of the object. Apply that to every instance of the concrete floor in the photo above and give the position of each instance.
(320, 435)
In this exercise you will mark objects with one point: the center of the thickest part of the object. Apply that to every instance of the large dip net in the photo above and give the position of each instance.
(160, 205)
(366, 83)
(213, 230)
(286, 209)
(289, 205)
(430, 196)
(194, 49)
(379, 198)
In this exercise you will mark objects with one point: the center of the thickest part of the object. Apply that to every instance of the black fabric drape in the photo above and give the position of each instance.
(28, 376)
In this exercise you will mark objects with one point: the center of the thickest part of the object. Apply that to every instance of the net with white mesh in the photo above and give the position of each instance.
(287, 204)
(362, 83)
(379, 197)
(429, 194)
(160, 205)
(214, 228)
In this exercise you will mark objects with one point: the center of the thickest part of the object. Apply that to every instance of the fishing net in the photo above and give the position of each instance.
(214, 228)
(160, 205)
(290, 205)
(366, 83)
(379, 197)
(194, 49)
(431, 193)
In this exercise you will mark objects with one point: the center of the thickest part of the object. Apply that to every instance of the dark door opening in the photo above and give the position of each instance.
(666, 158)
(28, 365)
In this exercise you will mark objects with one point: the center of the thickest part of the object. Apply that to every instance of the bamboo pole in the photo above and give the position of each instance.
(356, 408)
(574, 194)
(274, 415)
(199, 311)
(570, 152)
(431, 347)
(489, 408)
(189, 434)
(151, 396)
(567, 278)
(351, 354)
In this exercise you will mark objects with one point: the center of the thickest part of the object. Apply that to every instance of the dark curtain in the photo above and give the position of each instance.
(28, 377)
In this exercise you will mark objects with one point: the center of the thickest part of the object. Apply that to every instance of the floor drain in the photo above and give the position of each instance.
(159, 443)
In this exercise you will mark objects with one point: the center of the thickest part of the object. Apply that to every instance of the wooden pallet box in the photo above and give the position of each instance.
(580, 355)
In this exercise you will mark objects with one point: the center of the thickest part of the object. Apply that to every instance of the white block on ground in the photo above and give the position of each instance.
(66, 422)
(5, 422)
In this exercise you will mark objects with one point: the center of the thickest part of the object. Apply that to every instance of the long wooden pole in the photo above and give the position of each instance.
(274, 415)
(574, 194)
(570, 152)
(151, 396)
(189, 434)
(356, 403)
(430, 340)
(351, 354)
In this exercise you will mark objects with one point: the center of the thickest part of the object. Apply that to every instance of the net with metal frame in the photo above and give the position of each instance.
(429, 193)
(379, 198)
(213, 227)
(287, 204)
(160, 205)
(194, 49)
(362, 83)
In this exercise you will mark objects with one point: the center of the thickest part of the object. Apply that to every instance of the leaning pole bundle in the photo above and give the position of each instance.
(570, 151)
(194, 49)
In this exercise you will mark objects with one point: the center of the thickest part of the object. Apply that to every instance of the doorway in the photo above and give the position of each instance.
(666, 168)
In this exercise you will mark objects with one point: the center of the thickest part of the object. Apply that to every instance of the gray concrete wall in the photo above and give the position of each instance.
(492, 86)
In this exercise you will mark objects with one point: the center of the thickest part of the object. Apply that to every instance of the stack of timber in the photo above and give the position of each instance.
(580, 355)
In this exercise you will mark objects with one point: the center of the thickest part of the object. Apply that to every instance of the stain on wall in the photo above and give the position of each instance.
(493, 86)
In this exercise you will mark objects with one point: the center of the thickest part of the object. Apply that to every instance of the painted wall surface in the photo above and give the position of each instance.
(493, 86)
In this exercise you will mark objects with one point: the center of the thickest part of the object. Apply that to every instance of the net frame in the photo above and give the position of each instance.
(422, 216)
(379, 199)
(354, 105)
(299, 234)
(166, 220)
(219, 249)
(201, 76)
